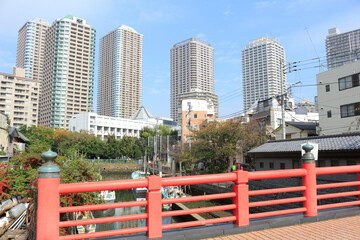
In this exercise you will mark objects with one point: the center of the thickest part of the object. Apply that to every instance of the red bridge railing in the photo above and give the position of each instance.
(49, 190)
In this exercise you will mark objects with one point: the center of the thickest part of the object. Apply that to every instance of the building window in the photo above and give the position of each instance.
(327, 88)
(350, 110)
(271, 165)
(329, 114)
(349, 82)
(261, 165)
(282, 165)
(288, 136)
(195, 115)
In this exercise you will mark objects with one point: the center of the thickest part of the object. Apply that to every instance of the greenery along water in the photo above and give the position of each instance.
(122, 196)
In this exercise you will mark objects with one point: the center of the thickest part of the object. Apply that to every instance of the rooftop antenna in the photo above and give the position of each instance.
(307, 31)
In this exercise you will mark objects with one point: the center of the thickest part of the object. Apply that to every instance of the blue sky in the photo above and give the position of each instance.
(228, 25)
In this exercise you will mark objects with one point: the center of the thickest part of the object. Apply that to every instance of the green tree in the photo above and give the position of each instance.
(221, 142)
(41, 138)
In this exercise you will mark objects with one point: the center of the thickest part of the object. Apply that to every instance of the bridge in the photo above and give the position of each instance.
(242, 220)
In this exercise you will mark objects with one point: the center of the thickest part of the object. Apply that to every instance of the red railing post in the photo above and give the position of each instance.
(241, 200)
(154, 207)
(47, 227)
(309, 181)
(358, 178)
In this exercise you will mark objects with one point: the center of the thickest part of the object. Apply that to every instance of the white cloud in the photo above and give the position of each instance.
(200, 35)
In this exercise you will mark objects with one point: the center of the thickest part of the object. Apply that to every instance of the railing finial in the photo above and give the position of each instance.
(308, 157)
(49, 169)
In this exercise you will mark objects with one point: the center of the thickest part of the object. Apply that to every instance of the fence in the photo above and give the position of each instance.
(116, 161)
(48, 222)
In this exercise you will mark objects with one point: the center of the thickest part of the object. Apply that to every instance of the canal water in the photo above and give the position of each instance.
(123, 196)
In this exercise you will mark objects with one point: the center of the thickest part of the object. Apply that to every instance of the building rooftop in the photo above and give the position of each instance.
(141, 114)
(339, 142)
(303, 125)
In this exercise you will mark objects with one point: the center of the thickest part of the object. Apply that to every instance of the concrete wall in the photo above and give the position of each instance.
(3, 132)
(333, 99)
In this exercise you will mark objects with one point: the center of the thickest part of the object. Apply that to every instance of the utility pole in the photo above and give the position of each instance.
(167, 149)
(282, 72)
(189, 124)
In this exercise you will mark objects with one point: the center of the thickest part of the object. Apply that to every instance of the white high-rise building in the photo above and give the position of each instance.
(68, 81)
(342, 48)
(120, 72)
(262, 69)
(192, 66)
(30, 49)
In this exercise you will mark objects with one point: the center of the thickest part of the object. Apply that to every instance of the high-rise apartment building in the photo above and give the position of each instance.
(68, 81)
(192, 66)
(19, 98)
(30, 48)
(120, 72)
(262, 69)
(342, 48)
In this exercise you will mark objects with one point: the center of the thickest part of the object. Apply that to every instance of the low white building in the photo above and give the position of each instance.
(269, 112)
(104, 126)
(339, 99)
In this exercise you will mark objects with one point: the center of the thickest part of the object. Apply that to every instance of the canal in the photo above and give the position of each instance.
(123, 196)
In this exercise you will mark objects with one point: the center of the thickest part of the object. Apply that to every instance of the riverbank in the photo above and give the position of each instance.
(116, 168)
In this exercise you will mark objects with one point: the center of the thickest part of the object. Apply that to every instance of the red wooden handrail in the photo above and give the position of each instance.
(102, 186)
(198, 210)
(105, 233)
(337, 170)
(277, 174)
(198, 179)
(277, 201)
(336, 185)
(198, 198)
(103, 206)
(276, 190)
(336, 195)
(240, 196)
(103, 220)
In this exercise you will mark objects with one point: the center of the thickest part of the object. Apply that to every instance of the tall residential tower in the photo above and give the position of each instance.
(120, 72)
(342, 48)
(262, 63)
(30, 48)
(192, 66)
(68, 81)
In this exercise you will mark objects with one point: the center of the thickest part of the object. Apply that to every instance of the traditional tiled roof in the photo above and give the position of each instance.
(303, 125)
(14, 132)
(339, 142)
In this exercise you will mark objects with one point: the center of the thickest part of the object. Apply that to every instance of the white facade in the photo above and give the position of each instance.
(342, 48)
(19, 98)
(30, 49)
(198, 105)
(191, 66)
(120, 72)
(104, 126)
(262, 68)
(339, 99)
(269, 112)
(68, 81)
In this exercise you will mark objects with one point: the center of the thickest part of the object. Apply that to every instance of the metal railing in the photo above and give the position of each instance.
(48, 221)
(116, 161)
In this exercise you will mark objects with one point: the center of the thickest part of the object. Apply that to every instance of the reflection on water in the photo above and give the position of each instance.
(122, 196)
